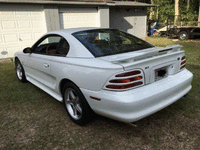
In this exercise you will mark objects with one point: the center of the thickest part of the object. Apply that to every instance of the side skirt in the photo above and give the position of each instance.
(44, 88)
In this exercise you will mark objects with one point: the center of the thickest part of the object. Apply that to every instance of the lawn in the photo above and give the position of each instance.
(31, 119)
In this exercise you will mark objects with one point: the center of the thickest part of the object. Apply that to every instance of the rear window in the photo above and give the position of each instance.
(104, 42)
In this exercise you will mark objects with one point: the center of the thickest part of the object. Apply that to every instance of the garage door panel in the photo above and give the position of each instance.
(20, 25)
(78, 17)
(12, 49)
(37, 24)
(37, 35)
(85, 17)
(1, 39)
(24, 24)
(10, 38)
(74, 18)
(8, 24)
(25, 37)
(24, 46)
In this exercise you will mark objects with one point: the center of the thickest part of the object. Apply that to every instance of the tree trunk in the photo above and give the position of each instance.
(188, 4)
(199, 16)
(176, 11)
(151, 12)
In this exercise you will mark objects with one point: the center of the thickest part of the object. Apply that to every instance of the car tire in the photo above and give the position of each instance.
(20, 71)
(76, 105)
(183, 35)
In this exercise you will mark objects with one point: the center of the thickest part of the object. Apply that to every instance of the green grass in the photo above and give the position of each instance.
(31, 119)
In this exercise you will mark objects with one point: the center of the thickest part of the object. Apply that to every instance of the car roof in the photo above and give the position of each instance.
(73, 30)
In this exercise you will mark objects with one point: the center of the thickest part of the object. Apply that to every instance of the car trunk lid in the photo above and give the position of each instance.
(156, 63)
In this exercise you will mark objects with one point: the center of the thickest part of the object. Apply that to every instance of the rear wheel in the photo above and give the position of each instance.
(76, 105)
(20, 71)
(183, 35)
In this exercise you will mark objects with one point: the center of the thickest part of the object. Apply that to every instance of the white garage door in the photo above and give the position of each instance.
(78, 17)
(20, 27)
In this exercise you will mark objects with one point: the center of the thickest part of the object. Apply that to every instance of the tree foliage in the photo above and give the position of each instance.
(192, 13)
(166, 7)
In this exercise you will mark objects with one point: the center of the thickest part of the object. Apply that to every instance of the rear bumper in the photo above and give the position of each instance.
(135, 104)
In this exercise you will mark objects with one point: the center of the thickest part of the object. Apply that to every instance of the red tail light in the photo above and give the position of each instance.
(182, 67)
(128, 74)
(126, 80)
(183, 62)
(183, 58)
(124, 86)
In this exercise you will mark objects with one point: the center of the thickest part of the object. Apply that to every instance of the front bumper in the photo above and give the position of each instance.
(135, 104)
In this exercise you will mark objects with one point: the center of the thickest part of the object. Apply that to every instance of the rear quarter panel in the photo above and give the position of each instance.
(89, 74)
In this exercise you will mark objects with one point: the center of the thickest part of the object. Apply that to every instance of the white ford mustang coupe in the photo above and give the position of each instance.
(106, 71)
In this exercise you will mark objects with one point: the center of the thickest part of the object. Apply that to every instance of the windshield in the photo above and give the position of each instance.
(104, 42)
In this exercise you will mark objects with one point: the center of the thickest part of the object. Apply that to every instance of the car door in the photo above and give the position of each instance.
(39, 61)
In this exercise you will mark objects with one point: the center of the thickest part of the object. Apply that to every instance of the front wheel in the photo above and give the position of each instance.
(20, 71)
(183, 35)
(76, 105)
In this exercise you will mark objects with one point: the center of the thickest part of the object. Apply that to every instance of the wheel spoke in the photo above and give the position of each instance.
(71, 94)
(19, 71)
(68, 102)
(72, 103)
(74, 110)
(78, 108)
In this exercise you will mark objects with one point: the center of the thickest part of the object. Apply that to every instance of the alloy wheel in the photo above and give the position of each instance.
(73, 105)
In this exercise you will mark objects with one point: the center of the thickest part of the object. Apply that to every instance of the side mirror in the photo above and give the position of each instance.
(27, 50)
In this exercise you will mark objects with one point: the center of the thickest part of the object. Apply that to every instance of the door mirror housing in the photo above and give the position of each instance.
(27, 50)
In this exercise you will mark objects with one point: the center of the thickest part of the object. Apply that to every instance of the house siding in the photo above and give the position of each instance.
(30, 19)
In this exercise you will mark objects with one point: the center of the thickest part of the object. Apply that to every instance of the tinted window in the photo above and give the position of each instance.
(52, 45)
(105, 42)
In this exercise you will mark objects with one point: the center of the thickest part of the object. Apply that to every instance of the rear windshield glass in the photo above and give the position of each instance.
(104, 42)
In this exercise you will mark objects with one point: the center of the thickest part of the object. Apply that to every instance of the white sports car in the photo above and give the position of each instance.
(106, 71)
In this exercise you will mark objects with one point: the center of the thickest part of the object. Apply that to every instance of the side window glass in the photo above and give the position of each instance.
(63, 47)
(48, 45)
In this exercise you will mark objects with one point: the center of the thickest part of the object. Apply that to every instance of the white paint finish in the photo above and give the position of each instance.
(135, 104)
(78, 17)
(25, 37)
(91, 74)
(44, 88)
(1, 40)
(104, 17)
(12, 49)
(8, 24)
(10, 38)
(75, 45)
(37, 35)
(38, 67)
(24, 24)
(20, 25)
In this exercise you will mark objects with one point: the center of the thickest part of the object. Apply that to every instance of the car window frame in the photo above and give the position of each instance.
(43, 38)
(98, 53)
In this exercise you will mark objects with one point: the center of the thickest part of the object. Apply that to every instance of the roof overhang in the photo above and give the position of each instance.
(132, 4)
(82, 2)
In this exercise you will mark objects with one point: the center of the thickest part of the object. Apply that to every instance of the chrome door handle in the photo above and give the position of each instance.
(46, 66)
